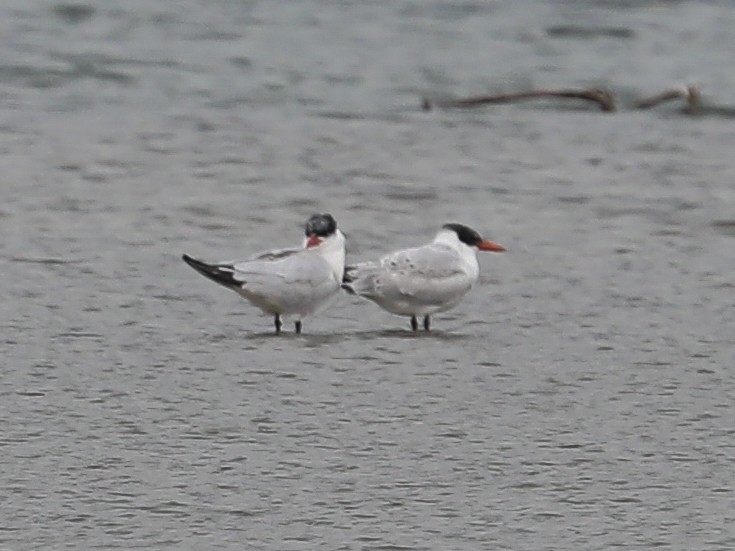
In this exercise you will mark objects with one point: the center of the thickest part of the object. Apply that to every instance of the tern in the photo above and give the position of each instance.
(287, 282)
(424, 280)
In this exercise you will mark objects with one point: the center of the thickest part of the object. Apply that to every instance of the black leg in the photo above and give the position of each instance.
(414, 323)
(298, 327)
(427, 323)
(278, 323)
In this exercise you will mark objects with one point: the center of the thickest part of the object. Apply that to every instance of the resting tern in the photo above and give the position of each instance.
(286, 282)
(423, 280)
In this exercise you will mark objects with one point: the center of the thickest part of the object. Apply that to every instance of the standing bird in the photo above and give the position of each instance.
(287, 282)
(423, 280)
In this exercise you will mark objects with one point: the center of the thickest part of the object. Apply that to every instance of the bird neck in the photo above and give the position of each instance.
(468, 254)
(333, 251)
(449, 238)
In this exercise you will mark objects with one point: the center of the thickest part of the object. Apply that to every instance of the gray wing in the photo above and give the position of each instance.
(287, 278)
(286, 281)
(287, 266)
(275, 254)
(428, 275)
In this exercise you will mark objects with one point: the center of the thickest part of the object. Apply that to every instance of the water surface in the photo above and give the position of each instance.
(581, 397)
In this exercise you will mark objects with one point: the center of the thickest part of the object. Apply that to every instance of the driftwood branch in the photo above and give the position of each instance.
(603, 98)
(689, 93)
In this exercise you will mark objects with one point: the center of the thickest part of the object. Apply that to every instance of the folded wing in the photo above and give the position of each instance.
(429, 275)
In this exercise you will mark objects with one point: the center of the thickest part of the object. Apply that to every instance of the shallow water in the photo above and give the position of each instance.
(581, 397)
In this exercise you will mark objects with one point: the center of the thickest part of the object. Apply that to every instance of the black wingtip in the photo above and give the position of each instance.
(224, 275)
(198, 265)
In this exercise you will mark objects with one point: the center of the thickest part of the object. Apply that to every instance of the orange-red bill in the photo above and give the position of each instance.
(490, 246)
(312, 241)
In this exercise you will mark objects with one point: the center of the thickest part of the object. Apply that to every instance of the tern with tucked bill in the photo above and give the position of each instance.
(287, 282)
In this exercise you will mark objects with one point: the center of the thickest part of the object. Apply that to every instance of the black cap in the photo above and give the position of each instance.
(466, 235)
(321, 225)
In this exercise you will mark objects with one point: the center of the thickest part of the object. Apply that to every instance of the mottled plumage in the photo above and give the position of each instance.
(424, 280)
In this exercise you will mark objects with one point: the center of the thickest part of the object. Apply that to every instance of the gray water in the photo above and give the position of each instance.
(581, 397)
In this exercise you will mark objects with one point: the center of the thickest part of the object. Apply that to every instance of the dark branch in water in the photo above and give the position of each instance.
(603, 98)
(690, 93)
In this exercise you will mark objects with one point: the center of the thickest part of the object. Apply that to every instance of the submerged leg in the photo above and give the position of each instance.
(427, 323)
(298, 327)
(414, 323)
(278, 323)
